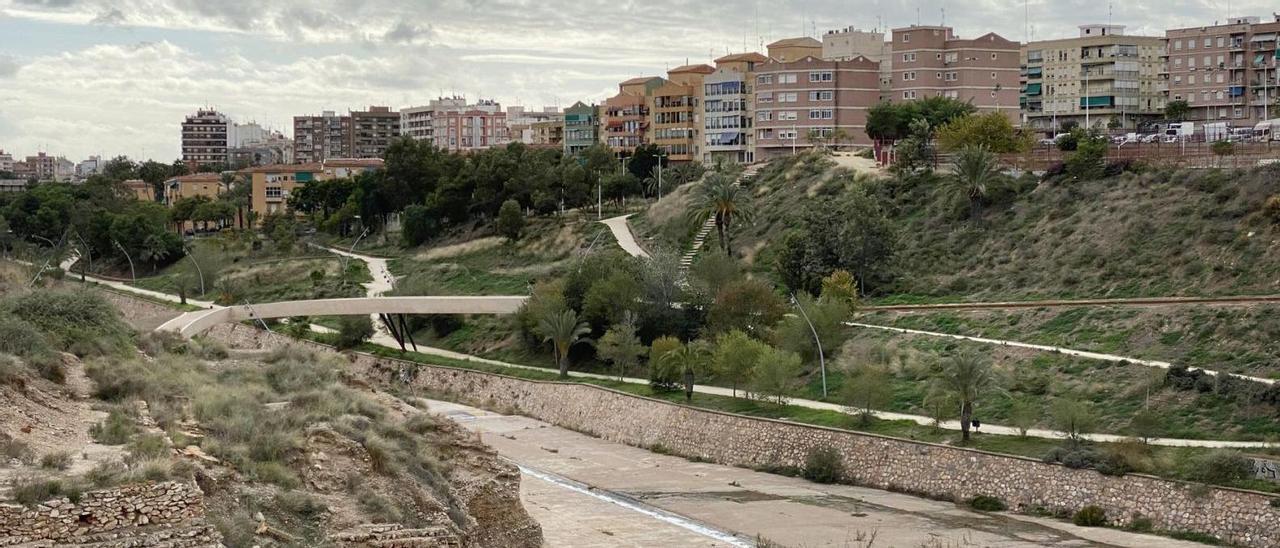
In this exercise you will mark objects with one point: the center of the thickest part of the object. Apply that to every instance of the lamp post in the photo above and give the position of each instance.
(187, 251)
(133, 273)
(88, 255)
(53, 251)
(822, 359)
(662, 155)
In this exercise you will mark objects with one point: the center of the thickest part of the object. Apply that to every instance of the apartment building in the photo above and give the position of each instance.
(455, 125)
(675, 112)
(1225, 72)
(6, 161)
(419, 122)
(372, 131)
(140, 190)
(798, 104)
(315, 138)
(581, 127)
(43, 167)
(93, 165)
(208, 185)
(547, 134)
(727, 101)
(624, 118)
(521, 121)
(272, 185)
(851, 42)
(1097, 77)
(931, 61)
(795, 49)
(204, 138)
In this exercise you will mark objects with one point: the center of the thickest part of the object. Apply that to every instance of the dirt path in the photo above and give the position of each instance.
(788, 511)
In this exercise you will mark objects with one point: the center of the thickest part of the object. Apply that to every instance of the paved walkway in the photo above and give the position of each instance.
(1060, 303)
(70, 260)
(1046, 348)
(713, 500)
(626, 239)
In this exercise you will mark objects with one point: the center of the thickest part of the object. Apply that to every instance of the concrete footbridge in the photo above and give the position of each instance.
(196, 322)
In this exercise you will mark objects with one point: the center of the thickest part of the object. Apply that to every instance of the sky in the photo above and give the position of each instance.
(110, 77)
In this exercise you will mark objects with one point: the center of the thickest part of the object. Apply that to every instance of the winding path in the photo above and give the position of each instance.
(1055, 349)
(626, 239)
(1070, 303)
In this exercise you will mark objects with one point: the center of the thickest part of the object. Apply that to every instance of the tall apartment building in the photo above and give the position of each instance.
(204, 138)
(1225, 72)
(318, 137)
(88, 167)
(548, 134)
(727, 97)
(812, 96)
(930, 61)
(581, 127)
(44, 167)
(453, 124)
(675, 111)
(850, 42)
(6, 161)
(372, 131)
(1096, 77)
(624, 120)
(521, 121)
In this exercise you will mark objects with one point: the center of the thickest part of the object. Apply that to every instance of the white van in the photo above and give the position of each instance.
(1180, 130)
(1267, 130)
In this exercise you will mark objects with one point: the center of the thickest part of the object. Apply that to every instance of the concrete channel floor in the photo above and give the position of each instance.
(787, 511)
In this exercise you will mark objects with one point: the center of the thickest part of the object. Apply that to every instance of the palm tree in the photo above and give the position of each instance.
(690, 359)
(967, 376)
(651, 182)
(973, 170)
(563, 330)
(720, 197)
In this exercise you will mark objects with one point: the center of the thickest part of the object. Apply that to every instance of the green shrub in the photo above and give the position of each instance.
(353, 331)
(148, 447)
(1090, 516)
(824, 465)
(987, 503)
(1141, 524)
(1195, 536)
(377, 507)
(31, 490)
(116, 429)
(1221, 466)
(106, 474)
(59, 460)
(300, 504)
(1275, 503)
(274, 473)
(78, 321)
(13, 372)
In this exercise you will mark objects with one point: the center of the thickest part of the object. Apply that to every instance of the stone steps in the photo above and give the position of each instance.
(394, 535)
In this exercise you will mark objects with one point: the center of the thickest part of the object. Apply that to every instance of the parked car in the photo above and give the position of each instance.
(1151, 138)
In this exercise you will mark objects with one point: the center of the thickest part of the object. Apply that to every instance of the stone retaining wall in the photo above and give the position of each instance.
(138, 505)
(1236, 516)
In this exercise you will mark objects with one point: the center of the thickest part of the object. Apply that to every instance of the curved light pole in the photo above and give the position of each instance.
(187, 250)
(132, 272)
(53, 251)
(822, 359)
(88, 255)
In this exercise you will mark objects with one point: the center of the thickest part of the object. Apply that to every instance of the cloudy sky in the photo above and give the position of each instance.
(81, 77)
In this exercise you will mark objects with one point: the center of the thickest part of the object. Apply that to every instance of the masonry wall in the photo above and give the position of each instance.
(1239, 517)
(147, 504)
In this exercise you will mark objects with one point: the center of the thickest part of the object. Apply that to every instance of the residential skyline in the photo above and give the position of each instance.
(110, 77)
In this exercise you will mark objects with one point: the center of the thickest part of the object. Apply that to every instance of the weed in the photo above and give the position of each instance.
(32, 490)
(147, 447)
(824, 465)
(60, 460)
(116, 429)
(987, 503)
(1090, 516)
(12, 449)
(300, 504)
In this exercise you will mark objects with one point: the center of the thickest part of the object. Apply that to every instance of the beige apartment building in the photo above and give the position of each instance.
(1225, 72)
(1100, 76)
(850, 42)
(812, 97)
(931, 61)
(795, 49)
(675, 113)
(272, 185)
(624, 118)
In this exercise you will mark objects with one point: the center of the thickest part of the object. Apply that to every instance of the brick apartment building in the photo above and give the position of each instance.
(357, 134)
(624, 118)
(675, 112)
(929, 61)
(1225, 72)
(794, 98)
(204, 138)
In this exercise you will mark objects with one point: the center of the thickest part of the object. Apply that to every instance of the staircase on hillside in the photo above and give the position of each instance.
(193, 534)
(686, 261)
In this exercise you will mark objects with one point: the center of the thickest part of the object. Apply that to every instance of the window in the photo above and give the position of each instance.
(787, 97)
(274, 192)
(1221, 60)
(788, 134)
(1208, 42)
(995, 55)
(906, 37)
(1221, 42)
(1177, 45)
(951, 76)
(764, 115)
(764, 79)
(787, 78)
(788, 115)
(1177, 80)
(951, 57)
(1191, 79)
(764, 97)
(821, 95)
(1177, 62)
(1208, 61)
(1191, 62)
(908, 57)
(821, 114)
(1191, 44)
(951, 94)
(909, 94)
(1220, 78)
(824, 76)
(908, 76)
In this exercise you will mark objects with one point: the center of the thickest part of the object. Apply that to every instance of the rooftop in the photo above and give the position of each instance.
(752, 57)
(698, 69)
(804, 41)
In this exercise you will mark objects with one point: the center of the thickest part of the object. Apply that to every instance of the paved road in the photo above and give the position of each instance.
(1045, 348)
(622, 232)
(789, 511)
(1060, 303)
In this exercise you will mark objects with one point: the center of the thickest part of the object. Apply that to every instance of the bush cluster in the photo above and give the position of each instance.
(824, 465)
(987, 503)
(1090, 516)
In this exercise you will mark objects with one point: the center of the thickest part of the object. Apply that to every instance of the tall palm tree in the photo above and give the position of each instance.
(967, 376)
(689, 359)
(973, 170)
(721, 198)
(563, 330)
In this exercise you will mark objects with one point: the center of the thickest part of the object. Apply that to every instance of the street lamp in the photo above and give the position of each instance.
(88, 255)
(133, 273)
(187, 250)
(822, 359)
(53, 251)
